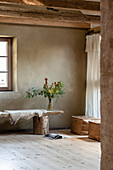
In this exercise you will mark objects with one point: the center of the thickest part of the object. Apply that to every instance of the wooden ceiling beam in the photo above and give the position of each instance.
(45, 14)
(67, 4)
(95, 30)
(34, 21)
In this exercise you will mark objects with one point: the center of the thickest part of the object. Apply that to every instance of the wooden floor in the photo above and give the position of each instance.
(34, 152)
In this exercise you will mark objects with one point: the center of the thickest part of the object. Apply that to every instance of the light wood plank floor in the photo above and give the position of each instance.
(34, 152)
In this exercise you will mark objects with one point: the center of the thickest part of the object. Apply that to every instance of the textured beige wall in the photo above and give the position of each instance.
(56, 53)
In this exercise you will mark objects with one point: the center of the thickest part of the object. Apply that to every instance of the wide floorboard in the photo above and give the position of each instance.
(34, 152)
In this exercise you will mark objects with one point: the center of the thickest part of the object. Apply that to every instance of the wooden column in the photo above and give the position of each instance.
(107, 85)
(41, 125)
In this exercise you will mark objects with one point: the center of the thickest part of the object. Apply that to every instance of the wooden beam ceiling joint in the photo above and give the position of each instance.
(46, 12)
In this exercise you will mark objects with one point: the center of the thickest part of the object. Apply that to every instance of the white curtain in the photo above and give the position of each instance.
(93, 76)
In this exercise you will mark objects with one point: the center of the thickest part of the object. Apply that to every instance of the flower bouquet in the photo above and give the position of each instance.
(54, 90)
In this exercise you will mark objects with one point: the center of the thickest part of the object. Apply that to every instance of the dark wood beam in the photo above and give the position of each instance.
(67, 4)
(44, 14)
(95, 30)
(73, 4)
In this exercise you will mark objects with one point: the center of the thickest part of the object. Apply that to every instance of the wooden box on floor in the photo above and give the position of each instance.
(94, 130)
(80, 124)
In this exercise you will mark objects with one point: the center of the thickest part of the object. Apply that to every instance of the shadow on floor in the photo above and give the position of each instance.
(86, 139)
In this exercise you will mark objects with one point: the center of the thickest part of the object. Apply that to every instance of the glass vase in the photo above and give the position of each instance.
(50, 104)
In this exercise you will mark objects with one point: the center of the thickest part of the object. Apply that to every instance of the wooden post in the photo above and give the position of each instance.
(107, 85)
(40, 125)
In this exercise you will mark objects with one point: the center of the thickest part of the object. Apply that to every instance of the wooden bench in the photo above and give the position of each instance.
(94, 129)
(40, 121)
(80, 124)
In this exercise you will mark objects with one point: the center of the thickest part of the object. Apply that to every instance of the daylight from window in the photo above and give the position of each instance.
(3, 64)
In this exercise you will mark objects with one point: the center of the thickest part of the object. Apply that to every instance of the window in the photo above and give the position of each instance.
(5, 64)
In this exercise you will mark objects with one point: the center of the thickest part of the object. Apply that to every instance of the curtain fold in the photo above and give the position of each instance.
(93, 76)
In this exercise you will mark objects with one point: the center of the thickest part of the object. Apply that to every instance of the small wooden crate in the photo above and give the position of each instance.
(94, 129)
(80, 124)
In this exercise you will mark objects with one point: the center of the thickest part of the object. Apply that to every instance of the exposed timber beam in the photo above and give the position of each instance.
(28, 21)
(43, 14)
(95, 30)
(67, 4)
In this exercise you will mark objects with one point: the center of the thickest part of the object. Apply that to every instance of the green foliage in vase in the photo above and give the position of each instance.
(54, 90)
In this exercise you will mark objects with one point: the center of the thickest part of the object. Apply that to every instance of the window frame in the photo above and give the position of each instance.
(9, 64)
